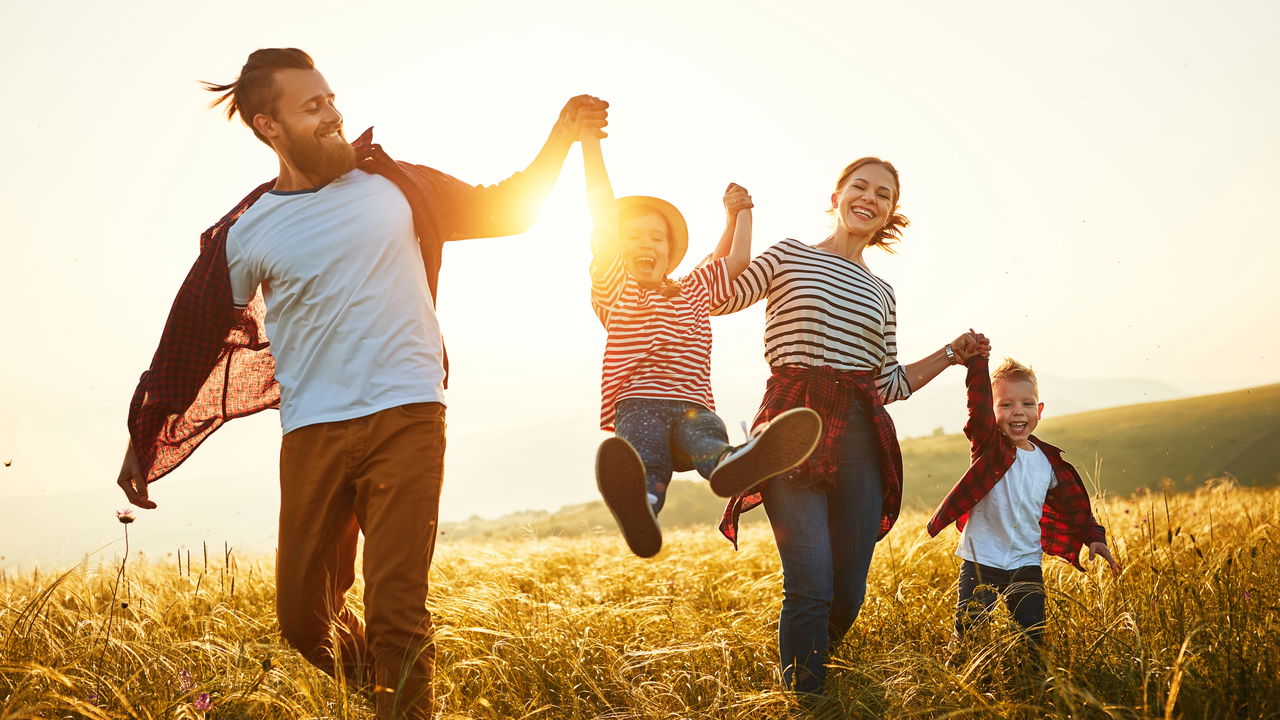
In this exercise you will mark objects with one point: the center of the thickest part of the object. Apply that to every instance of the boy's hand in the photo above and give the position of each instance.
(736, 198)
(583, 116)
(970, 344)
(1099, 549)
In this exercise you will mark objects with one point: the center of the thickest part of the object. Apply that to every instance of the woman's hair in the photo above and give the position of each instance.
(255, 90)
(892, 231)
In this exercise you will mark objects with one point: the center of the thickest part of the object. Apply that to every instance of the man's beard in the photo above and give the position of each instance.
(321, 160)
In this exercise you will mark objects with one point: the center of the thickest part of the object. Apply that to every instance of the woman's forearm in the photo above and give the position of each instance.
(919, 373)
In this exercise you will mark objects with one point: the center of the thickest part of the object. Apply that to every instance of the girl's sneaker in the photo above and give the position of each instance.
(620, 477)
(783, 443)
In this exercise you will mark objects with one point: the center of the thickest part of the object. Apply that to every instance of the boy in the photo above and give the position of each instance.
(1018, 498)
(656, 382)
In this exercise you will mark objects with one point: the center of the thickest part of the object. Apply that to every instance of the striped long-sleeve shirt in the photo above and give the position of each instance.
(823, 309)
(658, 346)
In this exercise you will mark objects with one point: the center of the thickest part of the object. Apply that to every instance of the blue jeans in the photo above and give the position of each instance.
(671, 435)
(825, 540)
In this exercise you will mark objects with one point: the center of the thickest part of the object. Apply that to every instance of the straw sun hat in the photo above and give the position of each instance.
(678, 243)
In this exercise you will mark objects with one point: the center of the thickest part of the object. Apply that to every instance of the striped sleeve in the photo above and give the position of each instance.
(714, 276)
(891, 382)
(751, 286)
(608, 278)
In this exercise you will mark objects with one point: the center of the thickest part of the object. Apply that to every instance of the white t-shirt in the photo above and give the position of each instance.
(349, 314)
(1003, 530)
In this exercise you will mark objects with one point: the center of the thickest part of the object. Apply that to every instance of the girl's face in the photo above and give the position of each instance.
(646, 247)
(865, 203)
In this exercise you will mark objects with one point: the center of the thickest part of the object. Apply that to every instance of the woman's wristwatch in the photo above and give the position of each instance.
(951, 354)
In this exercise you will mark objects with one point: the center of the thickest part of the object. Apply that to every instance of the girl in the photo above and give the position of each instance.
(656, 384)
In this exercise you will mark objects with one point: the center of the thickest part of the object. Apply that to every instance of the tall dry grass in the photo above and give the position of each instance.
(568, 628)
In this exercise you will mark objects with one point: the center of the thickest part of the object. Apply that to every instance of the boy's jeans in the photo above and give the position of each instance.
(825, 541)
(1023, 591)
(671, 435)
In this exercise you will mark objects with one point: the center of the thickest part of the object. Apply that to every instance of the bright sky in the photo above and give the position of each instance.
(1089, 185)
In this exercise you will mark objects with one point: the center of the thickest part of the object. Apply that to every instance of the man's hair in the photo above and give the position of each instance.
(255, 90)
(1014, 371)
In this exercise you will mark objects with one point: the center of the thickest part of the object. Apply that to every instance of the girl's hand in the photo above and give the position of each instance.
(583, 116)
(1099, 549)
(736, 198)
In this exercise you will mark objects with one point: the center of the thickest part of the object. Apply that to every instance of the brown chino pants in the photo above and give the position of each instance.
(380, 475)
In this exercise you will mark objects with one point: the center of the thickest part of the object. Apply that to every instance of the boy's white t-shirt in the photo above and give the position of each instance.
(349, 314)
(1003, 530)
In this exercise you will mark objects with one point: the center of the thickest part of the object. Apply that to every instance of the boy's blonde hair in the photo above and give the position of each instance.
(1012, 370)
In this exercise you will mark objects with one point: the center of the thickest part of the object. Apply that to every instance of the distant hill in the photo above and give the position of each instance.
(1187, 441)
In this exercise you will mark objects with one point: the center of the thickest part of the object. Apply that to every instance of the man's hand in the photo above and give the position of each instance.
(1099, 550)
(133, 482)
(736, 198)
(583, 116)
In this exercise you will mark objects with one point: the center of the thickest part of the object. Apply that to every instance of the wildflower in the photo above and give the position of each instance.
(185, 682)
(202, 702)
(125, 516)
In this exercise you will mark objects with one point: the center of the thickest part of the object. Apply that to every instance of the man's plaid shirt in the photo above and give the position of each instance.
(830, 393)
(214, 363)
(1066, 522)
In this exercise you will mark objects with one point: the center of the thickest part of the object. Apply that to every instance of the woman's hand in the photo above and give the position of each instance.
(736, 198)
(970, 344)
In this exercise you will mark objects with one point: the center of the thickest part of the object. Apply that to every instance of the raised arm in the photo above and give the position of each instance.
(735, 241)
(980, 428)
(600, 200)
(511, 206)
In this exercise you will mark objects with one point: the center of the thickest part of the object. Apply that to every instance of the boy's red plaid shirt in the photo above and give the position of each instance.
(1067, 521)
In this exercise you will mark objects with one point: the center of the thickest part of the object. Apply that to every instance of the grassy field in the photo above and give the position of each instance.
(562, 628)
(1185, 442)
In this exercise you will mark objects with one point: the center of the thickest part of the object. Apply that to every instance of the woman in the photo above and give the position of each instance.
(831, 341)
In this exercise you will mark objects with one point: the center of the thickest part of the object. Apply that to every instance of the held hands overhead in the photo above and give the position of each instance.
(970, 344)
(583, 116)
(736, 198)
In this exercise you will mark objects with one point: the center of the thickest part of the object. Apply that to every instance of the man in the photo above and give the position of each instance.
(345, 244)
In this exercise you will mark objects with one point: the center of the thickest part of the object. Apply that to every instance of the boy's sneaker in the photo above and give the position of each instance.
(782, 444)
(620, 477)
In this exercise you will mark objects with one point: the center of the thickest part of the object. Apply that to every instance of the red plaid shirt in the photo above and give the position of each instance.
(214, 363)
(1067, 520)
(829, 392)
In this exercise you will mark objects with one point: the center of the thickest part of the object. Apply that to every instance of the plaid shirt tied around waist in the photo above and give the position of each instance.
(1066, 522)
(830, 393)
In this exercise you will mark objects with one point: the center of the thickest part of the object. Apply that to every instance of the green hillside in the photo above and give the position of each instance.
(1187, 441)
